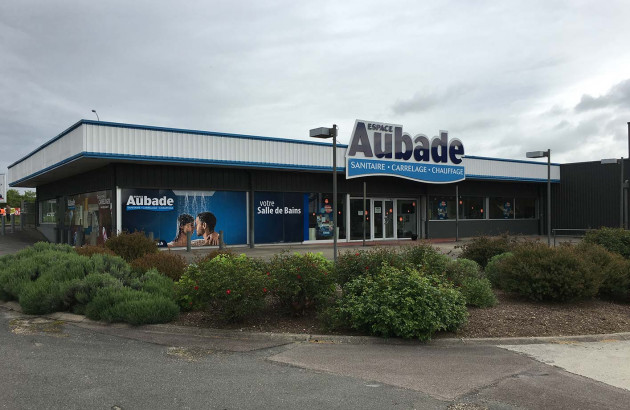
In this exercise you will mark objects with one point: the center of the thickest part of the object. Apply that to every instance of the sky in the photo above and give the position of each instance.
(505, 77)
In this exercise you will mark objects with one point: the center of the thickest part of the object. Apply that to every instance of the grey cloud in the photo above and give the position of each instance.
(420, 102)
(618, 96)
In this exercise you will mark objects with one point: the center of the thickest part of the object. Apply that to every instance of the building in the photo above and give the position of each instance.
(96, 178)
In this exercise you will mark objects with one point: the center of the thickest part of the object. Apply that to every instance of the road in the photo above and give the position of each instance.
(53, 364)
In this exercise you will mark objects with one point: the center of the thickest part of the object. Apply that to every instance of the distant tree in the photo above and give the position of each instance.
(14, 198)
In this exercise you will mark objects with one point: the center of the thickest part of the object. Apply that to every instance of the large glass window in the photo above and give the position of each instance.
(471, 207)
(89, 218)
(320, 216)
(407, 225)
(501, 208)
(442, 207)
(525, 208)
(48, 211)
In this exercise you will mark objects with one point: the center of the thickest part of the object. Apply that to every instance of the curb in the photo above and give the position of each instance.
(83, 321)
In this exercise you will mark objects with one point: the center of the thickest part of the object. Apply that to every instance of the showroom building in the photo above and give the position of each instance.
(98, 178)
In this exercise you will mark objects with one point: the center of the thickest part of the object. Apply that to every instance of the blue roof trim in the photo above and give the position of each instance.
(500, 178)
(41, 147)
(179, 160)
(175, 130)
(521, 161)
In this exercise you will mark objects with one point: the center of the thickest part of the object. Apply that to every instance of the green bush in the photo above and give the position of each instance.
(547, 274)
(613, 267)
(167, 263)
(234, 286)
(89, 250)
(615, 240)
(131, 246)
(493, 268)
(114, 304)
(155, 283)
(80, 293)
(400, 303)
(354, 264)
(425, 258)
(467, 277)
(213, 254)
(301, 282)
(483, 248)
(114, 266)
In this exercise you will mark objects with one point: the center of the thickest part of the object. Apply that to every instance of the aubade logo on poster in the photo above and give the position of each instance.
(384, 149)
(143, 202)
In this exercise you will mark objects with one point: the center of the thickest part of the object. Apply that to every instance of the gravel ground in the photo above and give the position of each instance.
(512, 317)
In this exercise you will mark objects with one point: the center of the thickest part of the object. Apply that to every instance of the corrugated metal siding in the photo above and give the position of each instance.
(502, 169)
(56, 152)
(588, 196)
(178, 145)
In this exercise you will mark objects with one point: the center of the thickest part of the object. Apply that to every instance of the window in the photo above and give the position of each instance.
(442, 207)
(501, 208)
(525, 208)
(407, 220)
(48, 212)
(471, 207)
(89, 217)
(320, 216)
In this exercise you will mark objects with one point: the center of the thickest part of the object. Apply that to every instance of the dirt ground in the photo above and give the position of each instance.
(512, 317)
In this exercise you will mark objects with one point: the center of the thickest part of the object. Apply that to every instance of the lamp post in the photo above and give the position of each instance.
(542, 154)
(324, 132)
(621, 202)
(94, 111)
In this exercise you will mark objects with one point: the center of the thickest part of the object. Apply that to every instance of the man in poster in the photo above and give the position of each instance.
(205, 223)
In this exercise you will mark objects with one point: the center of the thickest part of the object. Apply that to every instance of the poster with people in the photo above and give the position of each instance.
(169, 215)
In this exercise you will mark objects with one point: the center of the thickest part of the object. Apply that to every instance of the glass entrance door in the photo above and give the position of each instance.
(383, 218)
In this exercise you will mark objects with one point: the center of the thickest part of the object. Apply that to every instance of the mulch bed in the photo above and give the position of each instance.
(512, 317)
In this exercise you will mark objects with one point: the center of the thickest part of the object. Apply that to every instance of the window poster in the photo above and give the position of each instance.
(278, 217)
(171, 214)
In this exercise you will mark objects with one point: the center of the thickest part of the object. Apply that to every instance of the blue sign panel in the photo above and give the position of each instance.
(384, 149)
(278, 217)
(421, 172)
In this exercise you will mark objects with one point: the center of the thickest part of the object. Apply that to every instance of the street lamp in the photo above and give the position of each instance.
(324, 132)
(621, 204)
(542, 154)
(94, 111)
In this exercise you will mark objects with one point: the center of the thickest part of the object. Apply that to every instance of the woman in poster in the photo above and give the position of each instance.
(184, 225)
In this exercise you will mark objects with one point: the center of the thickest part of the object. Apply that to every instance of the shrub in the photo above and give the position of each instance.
(113, 304)
(157, 284)
(547, 274)
(131, 246)
(89, 250)
(466, 276)
(114, 266)
(613, 267)
(167, 263)
(354, 264)
(213, 254)
(80, 293)
(426, 258)
(615, 240)
(301, 281)
(483, 248)
(493, 268)
(235, 286)
(400, 303)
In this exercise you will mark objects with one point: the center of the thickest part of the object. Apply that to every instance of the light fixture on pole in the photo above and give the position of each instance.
(622, 222)
(542, 154)
(94, 111)
(324, 132)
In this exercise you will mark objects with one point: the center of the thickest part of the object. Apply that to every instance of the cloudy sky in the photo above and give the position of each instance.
(503, 76)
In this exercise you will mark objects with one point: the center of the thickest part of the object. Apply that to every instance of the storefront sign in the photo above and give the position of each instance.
(279, 217)
(384, 149)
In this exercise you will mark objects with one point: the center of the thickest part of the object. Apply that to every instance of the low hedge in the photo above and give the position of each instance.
(354, 264)
(167, 263)
(616, 240)
(131, 246)
(89, 250)
(468, 278)
(615, 270)
(483, 248)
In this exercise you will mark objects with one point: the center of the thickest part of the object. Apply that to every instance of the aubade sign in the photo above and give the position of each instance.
(384, 149)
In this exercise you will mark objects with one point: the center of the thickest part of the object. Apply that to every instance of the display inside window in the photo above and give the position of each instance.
(501, 208)
(360, 218)
(525, 208)
(471, 207)
(407, 226)
(88, 218)
(442, 207)
(48, 211)
(320, 216)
